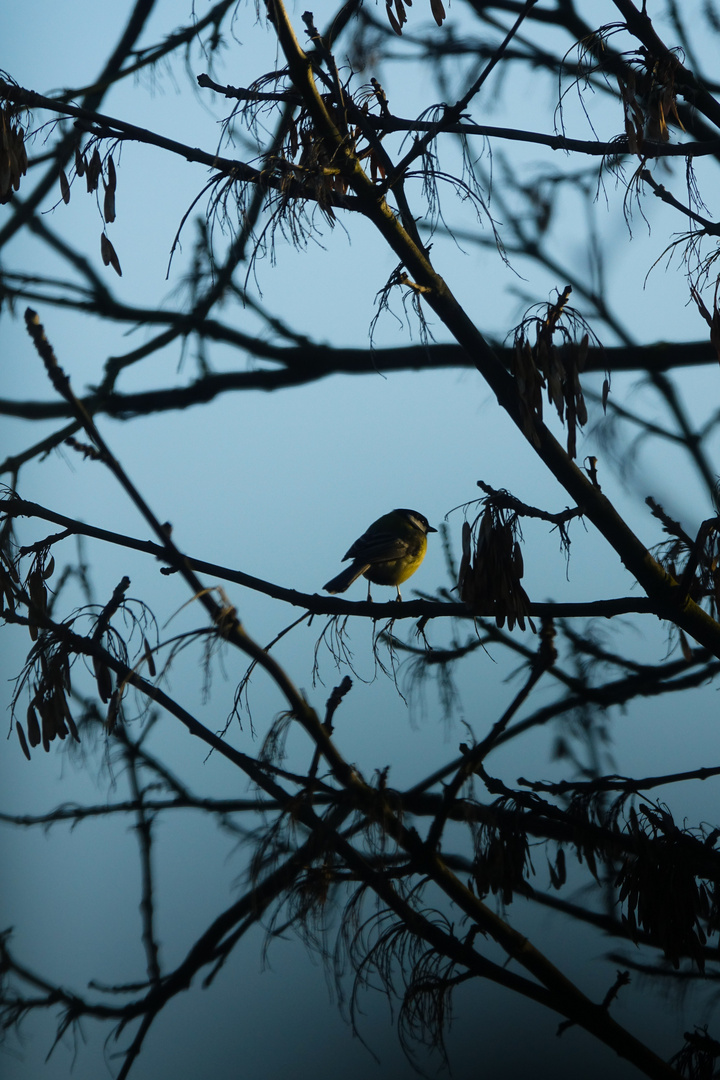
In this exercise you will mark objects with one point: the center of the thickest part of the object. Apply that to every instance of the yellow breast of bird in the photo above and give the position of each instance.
(395, 571)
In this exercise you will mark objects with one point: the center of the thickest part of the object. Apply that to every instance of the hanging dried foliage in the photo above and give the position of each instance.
(13, 156)
(397, 15)
(545, 365)
(491, 568)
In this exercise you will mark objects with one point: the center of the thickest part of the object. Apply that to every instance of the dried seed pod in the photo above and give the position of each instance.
(109, 205)
(109, 199)
(93, 170)
(72, 727)
(21, 737)
(109, 255)
(293, 140)
(605, 394)
(5, 177)
(33, 726)
(59, 706)
(438, 11)
(7, 594)
(47, 719)
(36, 589)
(38, 601)
(112, 713)
(64, 187)
(518, 563)
(103, 678)
(13, 156)
(558, 873)
(396, 23)
(21, 154)
(149, 658)
(464, 579)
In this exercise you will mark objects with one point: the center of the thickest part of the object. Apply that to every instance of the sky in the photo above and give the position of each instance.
(279, 486)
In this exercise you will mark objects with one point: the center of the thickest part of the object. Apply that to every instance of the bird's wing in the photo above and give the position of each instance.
(378, 547)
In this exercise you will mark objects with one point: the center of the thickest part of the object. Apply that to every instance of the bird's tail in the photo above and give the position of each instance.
(346, 577)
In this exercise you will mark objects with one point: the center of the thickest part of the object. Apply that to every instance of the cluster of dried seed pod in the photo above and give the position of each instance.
(9, 582)
(92, 169)
(649, 100)
(397, 15)
(48, 717)
(13, 156)
(503, 862)
(492, 567)
(41, 570)
(551, 367)
(48, 714)
(307, 160)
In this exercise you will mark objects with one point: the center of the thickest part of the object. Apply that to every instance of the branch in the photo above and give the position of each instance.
(315, 602)
(108, 127)
(616, 148)
(302, 365)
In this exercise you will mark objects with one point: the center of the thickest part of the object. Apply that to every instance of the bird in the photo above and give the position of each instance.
(387, 553)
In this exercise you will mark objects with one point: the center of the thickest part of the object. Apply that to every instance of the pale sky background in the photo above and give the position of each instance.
(279, 486)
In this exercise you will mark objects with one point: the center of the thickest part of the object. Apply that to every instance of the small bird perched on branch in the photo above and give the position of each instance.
(387, 553)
